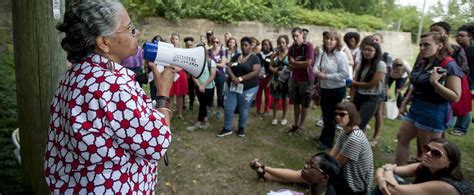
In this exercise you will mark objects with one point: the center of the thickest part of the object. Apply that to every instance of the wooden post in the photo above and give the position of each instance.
(40, 62)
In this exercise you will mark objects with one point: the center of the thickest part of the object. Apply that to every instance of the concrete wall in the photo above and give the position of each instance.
(397, 43)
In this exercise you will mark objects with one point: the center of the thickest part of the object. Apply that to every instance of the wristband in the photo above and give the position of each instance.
(387, 169)
(240, 79)
(163, 102)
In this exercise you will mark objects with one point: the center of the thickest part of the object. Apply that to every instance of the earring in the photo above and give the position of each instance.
(110, 64)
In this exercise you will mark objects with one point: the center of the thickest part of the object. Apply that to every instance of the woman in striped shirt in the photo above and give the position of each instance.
(353, 152)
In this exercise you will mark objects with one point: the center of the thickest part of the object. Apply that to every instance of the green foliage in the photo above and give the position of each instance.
(7, 83)
(361, 7)
(10, 173)
(340, 19)
(142, 8)
(409, 18)
(274, 12)
(459, 12)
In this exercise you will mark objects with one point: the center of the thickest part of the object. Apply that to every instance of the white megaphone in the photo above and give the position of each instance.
(192, 60)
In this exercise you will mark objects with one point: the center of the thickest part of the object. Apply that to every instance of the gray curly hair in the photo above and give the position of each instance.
(84, 20)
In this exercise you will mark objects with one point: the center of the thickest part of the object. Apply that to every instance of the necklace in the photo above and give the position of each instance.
(243, 59)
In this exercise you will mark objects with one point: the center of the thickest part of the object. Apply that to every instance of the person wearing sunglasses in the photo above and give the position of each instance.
(439, 172)
(400, 74)
(319, 172)
(217, 54)
(353, 152)
(104, 137)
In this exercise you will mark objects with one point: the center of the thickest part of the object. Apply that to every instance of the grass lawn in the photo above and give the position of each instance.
(201, 163)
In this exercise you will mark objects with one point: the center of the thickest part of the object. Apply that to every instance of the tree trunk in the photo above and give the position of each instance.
(39, 62)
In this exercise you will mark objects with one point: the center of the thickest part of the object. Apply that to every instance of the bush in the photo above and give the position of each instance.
(274, 12)
(10, 172)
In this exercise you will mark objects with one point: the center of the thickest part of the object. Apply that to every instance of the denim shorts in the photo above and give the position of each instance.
(429, 117)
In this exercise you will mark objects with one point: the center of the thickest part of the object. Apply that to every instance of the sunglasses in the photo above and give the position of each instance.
(435, 153)
(313, 166)
(340, 114)
(398, 64)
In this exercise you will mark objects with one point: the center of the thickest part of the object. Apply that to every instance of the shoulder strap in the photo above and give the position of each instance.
(445, 61)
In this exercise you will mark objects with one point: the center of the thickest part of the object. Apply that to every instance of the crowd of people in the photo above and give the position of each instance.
(106, 135)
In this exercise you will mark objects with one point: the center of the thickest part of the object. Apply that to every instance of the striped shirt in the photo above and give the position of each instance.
(359, 169)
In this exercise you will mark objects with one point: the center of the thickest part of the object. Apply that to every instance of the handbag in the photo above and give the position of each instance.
(285, 75)
(391, 109)
(315, 92)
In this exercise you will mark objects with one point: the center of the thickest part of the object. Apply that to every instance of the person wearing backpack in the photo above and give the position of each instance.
(300, 58)
(464, 38)
(434, 88)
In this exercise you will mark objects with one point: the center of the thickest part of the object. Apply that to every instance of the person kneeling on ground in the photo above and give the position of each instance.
(439, 172)
(319, 173)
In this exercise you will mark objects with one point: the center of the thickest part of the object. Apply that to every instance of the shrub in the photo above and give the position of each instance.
(274, 12)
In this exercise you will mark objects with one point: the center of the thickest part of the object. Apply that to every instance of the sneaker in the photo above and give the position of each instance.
(274, 122)
(224, 132)
(241, 132)
(209, 112)
(457, 133)
(191, 128)
(320, 123)
(218, 114)
(284, 122)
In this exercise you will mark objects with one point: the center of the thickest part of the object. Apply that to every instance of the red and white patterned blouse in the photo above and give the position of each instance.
(104, 135)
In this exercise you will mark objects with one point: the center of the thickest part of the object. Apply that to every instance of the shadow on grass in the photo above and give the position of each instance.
(201, 163)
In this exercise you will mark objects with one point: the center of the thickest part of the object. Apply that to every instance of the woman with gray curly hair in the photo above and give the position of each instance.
(104, 137)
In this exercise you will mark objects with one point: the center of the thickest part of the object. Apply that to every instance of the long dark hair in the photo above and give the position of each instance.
(365, 62)
(329, 165)
(453, 170)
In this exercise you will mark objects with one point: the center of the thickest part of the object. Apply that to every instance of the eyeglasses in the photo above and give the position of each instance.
(313, 166)
(340, 114)
(369, 50)
(398, 64)
(435, 153)
(131, 29)
(216, 42)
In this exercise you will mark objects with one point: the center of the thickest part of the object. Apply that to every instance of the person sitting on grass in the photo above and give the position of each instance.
(352, 151)
(319, 173)
(439, 172)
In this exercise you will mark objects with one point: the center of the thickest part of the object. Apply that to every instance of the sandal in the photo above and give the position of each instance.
(257, 166)
(293, 128)
(253, 164)
(261, 174)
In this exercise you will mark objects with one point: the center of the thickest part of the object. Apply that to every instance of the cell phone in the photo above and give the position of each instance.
(440, 70)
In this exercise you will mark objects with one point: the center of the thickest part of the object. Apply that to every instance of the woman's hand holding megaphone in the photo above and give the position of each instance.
(163, 80)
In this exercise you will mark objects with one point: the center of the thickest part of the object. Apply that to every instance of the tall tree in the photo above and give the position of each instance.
(458, 12)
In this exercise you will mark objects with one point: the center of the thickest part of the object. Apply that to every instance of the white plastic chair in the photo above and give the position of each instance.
(16, 141)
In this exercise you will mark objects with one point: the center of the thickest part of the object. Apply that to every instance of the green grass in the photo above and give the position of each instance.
(201, 163)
